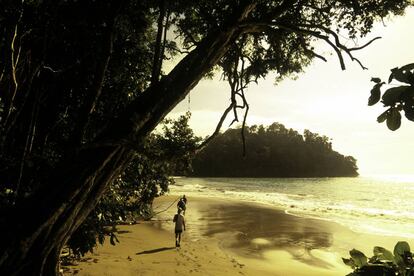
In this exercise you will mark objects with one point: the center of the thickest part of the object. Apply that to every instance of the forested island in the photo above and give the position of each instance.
(272, 151)
(84, 84)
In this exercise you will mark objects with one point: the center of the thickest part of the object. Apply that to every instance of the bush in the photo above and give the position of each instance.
(383, 262)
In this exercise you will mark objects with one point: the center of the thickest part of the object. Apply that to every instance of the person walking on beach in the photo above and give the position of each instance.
(179, 226)
(182, 204)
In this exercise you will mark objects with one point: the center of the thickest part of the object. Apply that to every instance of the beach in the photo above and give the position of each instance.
(229, 237)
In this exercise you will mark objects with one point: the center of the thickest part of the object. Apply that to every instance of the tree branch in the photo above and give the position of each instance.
(340, 45)
(98, 80)
(309, 51)
(217, 130)
(337, 46)
(156, 67)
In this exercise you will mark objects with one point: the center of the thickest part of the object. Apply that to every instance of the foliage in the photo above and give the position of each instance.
(396, 99)
(82, 88)
(178, 144)
(384, 262)
(272, 151)
(280, 37)
(52, 109)
(147, 176)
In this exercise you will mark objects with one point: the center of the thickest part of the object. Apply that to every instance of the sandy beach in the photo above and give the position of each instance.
(226, 237)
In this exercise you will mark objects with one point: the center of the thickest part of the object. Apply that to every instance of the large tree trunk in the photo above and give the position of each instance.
(35, 231)
(38, 229)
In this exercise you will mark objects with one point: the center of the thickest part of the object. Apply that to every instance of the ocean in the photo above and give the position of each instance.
(376, 205)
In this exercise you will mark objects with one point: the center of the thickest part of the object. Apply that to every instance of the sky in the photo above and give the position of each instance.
(328, 101)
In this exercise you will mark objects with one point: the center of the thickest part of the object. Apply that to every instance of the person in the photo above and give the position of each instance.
(179, 226)
(182, 204)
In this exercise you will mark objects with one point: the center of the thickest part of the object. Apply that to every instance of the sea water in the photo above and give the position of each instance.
(380, 205)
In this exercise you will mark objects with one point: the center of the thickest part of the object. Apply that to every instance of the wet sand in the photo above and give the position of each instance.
(227, 237)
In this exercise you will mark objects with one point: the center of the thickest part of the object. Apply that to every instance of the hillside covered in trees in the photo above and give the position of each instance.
(83, 86)
(272, 151)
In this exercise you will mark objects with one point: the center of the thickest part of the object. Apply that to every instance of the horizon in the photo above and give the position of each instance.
(327, 101)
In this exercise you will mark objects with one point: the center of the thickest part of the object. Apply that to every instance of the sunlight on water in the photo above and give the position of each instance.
(375, 204)
(394, 177)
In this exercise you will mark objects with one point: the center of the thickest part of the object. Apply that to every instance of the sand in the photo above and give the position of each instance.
(227, 237)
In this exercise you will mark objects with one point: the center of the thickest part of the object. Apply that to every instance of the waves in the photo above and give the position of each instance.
(368, 205)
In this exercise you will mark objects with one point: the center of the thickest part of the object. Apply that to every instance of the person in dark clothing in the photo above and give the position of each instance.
(179, 227)
(182, 204)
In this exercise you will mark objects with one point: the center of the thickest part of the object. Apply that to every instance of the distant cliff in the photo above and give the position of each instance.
(272, 151)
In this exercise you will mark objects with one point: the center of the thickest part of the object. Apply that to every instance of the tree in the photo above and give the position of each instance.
(397, 98)
(272, 151)
(148, 175)
(82, 87)
(178, 144)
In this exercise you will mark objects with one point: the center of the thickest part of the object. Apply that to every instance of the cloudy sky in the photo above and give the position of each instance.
(328, 101)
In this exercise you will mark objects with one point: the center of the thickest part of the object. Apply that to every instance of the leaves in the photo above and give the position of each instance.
(349, 262)
(220, 158)
(393, 95)
(383, 262)
(381, 118)
(376, 80)
(402, 254)
(398, 75)
(409, 112)
(375, 94)
(396, 98)
(400, 248)
(358, 257)
(407, 67)
(393, 119)
(383, 254)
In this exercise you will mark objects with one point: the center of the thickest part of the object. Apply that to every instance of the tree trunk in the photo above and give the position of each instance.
(35, 231)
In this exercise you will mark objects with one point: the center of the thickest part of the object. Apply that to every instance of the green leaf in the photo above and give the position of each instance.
(393, 95)
(349, 262)
(358, 257)
(393, 119)
(401, 250)
(383, 254)
(408, 95)
(391, 77)
(381, 118)
(407, 67)
(399, 75)
(375, 94)
(409, 112)
(399, 261)
(410, 77)
(401, 247)
(376, 80)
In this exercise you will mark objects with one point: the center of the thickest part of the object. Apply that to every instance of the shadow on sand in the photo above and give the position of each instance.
(155, 250)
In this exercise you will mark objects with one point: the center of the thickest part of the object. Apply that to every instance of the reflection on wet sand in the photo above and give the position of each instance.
(254, 230)
(267, 238)
(250, 230)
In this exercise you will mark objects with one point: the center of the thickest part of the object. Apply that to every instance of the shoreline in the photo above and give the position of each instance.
(368, 205)
(230, 237)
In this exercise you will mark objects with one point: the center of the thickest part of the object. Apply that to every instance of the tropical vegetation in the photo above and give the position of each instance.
(272, 151)
(129, 197)
(397, 98)
(82, 87)
(384, 262)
